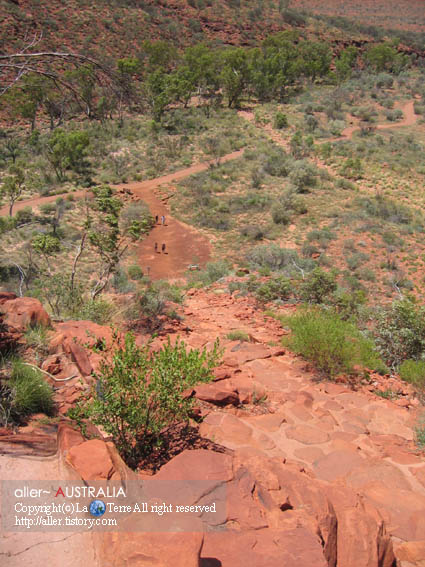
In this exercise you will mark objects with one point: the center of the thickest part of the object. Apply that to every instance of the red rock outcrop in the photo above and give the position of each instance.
(276, 513)
(19, 313)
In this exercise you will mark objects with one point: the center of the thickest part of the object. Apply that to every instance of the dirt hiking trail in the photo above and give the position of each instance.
(184, 245)
(410, 118)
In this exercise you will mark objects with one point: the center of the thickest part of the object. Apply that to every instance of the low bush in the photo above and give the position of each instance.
(399, 332)
(394, 115)
(276, 162)
(278, 287)
(303, 176)
(280, 121)
(99, 311)
(253, 232)
(318, 286)
(275, 258)
(385, 208)
(280, 214)
(332, 345)
(213, 271)
(140, 394)
(135, 272)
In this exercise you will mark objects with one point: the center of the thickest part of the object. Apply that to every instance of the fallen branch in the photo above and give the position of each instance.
(50, 375)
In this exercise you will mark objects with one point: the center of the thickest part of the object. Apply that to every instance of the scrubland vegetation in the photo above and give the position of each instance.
(323, 209)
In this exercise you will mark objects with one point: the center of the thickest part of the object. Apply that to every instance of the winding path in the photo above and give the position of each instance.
(410, 118)
(184, 244)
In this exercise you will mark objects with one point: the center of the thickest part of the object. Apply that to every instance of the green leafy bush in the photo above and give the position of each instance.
(278, 287)
(332, 345)
(213, 271)
(140, 393)
(400, 332)
(280, 214)
(99, 311)
(303, 176)
(135, 272)
(275, 258)
(318, 286)
(280, 121)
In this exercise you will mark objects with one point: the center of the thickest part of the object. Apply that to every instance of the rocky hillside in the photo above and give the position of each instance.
(322, 473)
(117, 28)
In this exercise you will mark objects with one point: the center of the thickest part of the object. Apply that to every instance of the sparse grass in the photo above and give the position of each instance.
(25, 393)
(37, 338)
(420, 434)
(238, 336)
(386, 394)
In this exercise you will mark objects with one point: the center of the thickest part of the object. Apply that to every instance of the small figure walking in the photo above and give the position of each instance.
(163, 220)
(156, 246)
(163, 248)
(156, 219)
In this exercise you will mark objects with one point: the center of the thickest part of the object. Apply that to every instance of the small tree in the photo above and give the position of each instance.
(140, 393)
(13, 186)
(47, 246)
(104, 235)
(68, 151)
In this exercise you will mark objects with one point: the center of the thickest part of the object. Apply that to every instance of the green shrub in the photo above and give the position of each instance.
(322, 236)
(253, 231)
(31, 393)
(303, 176)
(238, 336)
(280, 121)
(318, 286)
(400, 332)
(136, 219)
(278, 287)
(120, 281)
(280, 214)
(99, 311)
(413, 371)
(213, 271)
(386, 209)
(276, 163)
(356, 260)
(135, 272)
(275, 258)
(140, 393)
(332, 345)
(348, 303)
(394, 115)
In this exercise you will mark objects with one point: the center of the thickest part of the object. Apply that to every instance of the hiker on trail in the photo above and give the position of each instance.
(156, 246)
(156, 219)
(163, 247)
(163, 220)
